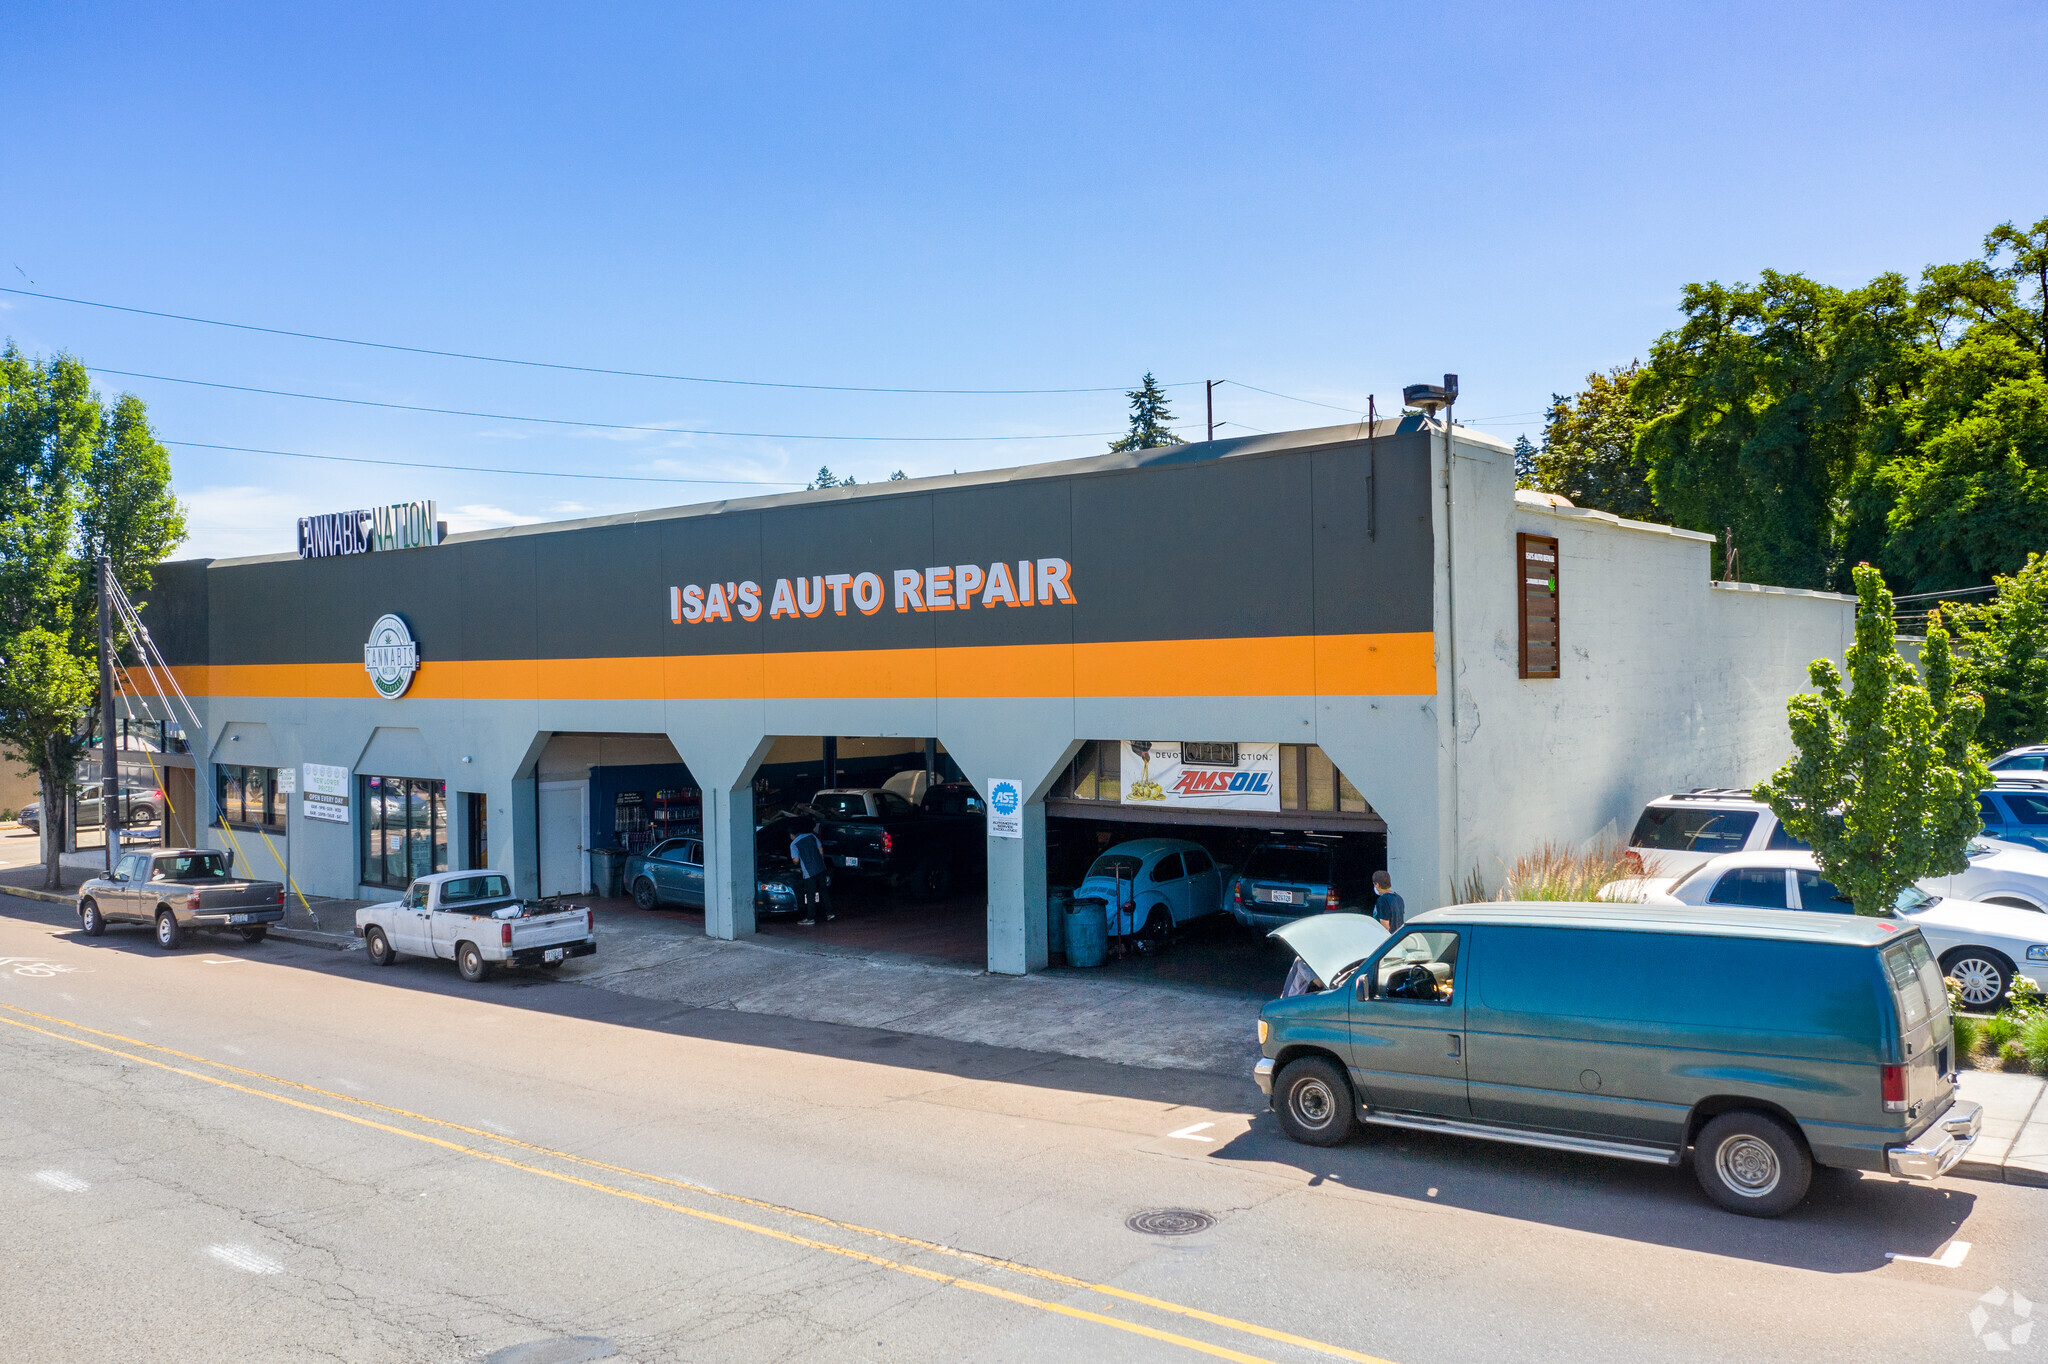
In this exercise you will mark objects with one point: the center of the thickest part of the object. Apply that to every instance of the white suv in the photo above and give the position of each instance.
(1679, 832)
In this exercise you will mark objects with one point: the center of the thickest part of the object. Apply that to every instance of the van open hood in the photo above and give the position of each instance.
(1331, 942)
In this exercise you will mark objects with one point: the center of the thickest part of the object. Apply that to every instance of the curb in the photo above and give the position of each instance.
(334, 942)
(46, 896)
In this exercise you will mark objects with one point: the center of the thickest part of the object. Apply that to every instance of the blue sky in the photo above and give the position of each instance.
(1323, 200)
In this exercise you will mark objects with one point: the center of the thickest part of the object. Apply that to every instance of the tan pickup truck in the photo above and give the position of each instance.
(179, 890)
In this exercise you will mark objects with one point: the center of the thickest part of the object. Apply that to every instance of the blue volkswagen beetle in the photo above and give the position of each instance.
(1150, 886)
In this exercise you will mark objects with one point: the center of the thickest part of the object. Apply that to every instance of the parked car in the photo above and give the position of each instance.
(874, 834)
(2027, 758)
(1759, 1042)
(2015, 810)
(179, 891)
(1283, 880)
(473, 919)
(1980, 946)
(139, 807)
(672, 871)
(1150, 886)
(1678, 832)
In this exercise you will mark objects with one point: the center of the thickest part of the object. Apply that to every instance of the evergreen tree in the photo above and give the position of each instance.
(1525, 462)
(1150, 419)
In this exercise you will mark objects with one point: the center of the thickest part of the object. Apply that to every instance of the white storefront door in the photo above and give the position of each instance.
(564, 837)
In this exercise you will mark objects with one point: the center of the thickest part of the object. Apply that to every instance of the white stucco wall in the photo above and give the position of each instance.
(1669, 680)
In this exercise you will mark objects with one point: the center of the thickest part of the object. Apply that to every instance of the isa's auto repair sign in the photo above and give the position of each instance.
(1186, 775)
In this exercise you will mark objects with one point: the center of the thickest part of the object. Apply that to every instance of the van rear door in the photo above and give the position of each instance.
(1926, 1032)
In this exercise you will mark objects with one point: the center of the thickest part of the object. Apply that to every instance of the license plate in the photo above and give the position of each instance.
(849, 861)
(1283, 897)
(238, 918)
(552, 954)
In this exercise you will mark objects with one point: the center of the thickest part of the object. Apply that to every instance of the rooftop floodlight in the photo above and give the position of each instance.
(1431, 397)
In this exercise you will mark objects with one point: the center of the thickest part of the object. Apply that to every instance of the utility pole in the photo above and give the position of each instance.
(110, 769)
(1209, 392)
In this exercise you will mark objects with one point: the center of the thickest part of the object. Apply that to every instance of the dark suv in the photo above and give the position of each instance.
(875, 834)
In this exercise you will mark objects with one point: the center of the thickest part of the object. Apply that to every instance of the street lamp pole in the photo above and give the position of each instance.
(110, 768)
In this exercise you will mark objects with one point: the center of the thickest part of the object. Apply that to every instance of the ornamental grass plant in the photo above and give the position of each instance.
(1555, 872)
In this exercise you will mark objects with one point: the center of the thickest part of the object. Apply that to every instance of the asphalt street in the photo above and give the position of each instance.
(258, 1152)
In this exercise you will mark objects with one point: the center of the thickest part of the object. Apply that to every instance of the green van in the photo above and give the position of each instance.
(1762, 1041)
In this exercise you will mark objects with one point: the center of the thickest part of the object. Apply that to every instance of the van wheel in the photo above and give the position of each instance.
(168, 935)
(1313, 1100)
(644, 895)
(91, 920)
(1749, 1163)
(471, 963)
(379, 946)
(1982, 976)
(932, 880)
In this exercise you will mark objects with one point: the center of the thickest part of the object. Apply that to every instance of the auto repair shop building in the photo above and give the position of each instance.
(1375, 616)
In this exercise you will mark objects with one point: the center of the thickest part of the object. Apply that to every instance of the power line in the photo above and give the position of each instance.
(549, 364)
(560, 421)
(473, 469)
(1288, 396)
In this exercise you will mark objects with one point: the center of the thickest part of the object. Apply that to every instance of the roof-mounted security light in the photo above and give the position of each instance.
(1431, 397)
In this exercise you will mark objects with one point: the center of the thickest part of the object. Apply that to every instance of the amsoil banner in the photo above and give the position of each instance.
(1175, 775)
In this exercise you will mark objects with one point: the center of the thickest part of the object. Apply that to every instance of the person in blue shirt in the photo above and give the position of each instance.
(1389, 908)
(809, 855)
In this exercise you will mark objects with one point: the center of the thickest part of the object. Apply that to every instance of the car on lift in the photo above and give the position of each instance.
(874, 834)
(1148, 887)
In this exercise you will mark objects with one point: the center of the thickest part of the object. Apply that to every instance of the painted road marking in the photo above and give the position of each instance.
(945, 1280)
(1951, 1258)
(62, 1180)
(35, 967)
(222, 961)
(1189, 1133)
(238, 1256)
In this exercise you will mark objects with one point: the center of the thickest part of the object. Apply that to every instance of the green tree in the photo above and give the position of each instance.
(1884, 783)
(2002, 656)
(1764, 405)
(1525, 461)
(1150, 419)
(77, 480)
(825, 479)
(898, 477)
(1589, 446)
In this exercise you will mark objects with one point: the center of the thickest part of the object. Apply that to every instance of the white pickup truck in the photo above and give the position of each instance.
(473, 919)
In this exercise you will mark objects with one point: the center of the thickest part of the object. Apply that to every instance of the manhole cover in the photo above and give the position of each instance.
(560, 1350)
(1170, 1222)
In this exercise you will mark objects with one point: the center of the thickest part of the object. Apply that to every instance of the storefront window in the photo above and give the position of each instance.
(247, 796)
(405, 829)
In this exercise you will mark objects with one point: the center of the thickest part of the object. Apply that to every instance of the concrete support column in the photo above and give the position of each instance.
(1016, 898)
(1031, 750)
(723, 760)
(520, 857)
(729, 860)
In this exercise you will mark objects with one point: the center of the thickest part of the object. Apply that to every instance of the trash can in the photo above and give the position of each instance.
(608, 870)
(1057, 898)
(1087, 932)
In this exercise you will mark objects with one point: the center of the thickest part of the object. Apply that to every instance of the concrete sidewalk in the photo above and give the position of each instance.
(2013, 1147)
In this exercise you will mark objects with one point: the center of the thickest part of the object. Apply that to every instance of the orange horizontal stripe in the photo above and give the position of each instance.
(1284, 665)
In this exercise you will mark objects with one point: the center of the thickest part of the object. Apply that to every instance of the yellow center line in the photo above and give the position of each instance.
(1050, 1276)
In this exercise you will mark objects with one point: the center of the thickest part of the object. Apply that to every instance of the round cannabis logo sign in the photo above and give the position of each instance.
(391, 658)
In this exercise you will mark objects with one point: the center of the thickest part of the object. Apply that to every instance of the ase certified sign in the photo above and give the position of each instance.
(391, 657)
(1005, 808)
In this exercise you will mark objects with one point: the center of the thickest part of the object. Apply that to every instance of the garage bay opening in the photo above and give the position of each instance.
(1196, 850)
